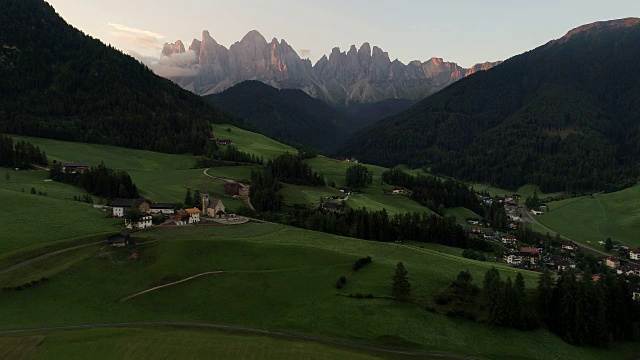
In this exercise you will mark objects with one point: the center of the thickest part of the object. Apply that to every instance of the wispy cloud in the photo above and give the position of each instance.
(136, 38)
(305, 53)
(176, 65)
(131, 30)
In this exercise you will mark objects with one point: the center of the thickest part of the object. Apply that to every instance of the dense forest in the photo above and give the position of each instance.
(223, 155)
(553, 116)
(579, 309)
(434, 193)
(100, 181)
(290, 169)
(20, 155)
(62, 84)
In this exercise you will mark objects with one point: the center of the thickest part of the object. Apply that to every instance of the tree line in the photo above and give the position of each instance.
(100, 181)
(434, 193)
(21, 154)
(219, 156)
(290, 169)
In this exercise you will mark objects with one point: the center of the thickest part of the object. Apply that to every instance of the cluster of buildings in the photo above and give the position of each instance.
(157, 213)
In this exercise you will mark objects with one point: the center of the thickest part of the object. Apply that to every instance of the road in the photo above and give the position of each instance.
(47, 255)
(285, 334)
(247, 199)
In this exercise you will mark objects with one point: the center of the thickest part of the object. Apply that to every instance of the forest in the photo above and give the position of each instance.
(223, 155)
(552, 116)
(100, 181)
(61, 84)
(20, 155)
(289, 169)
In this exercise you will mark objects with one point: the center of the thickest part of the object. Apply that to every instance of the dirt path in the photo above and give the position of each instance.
(246, 199)
(170, 284)
(285, 334)
(48, 255)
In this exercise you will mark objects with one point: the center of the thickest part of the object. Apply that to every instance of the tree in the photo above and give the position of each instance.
(358, 176)
(132, 216)
(519, 285)
(33, 190)
(400, 286)
(196, 199)
(188, 199)
(608, 245)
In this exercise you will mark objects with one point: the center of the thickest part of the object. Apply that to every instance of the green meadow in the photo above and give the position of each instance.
(272, 277)
(591, 219)
(251, 142)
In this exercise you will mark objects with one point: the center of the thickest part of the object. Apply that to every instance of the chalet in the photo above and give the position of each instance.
(513, 258)
(145, 222)
(487, 200)
(477, 230)
(73, 167)
(119, 240)
(473, 221)
(331, 206)
(534, 253)
(162, 208)
(569, 246)
(397, 191)
(634, 254)
(213, 207)
(509, 240)
(181, 217)
(536, 211)
(612, 262)
(120, 206)
(489, 236)
(223, 142)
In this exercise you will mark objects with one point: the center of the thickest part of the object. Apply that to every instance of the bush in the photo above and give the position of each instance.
(342, 280)
(361, 262)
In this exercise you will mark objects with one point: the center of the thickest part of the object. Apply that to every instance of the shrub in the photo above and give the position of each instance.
(361, 262)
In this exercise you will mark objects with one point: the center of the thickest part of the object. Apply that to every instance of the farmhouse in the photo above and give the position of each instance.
(612, 262)
(194, 215)
(73, 167)
(162, 208)
(221, 141)
(634, 254)
(473, 221)
(509, 240)
(119, 240)
(569, 246)
(536, 211)
(120, 206)
(513, 258)
(212, 207)
(232, 188)
(145, 222)
(397, 190)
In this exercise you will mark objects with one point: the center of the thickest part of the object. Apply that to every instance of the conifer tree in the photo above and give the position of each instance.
(188, 199)
(400, 286)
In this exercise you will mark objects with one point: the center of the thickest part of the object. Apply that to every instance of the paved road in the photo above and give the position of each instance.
(247, 199)
(286, 334)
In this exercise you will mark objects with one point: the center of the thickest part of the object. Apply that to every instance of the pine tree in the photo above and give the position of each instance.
(188, 200)
(608, 245)
(196, 199)
(519, 285)
(401, 288)
(544, 297)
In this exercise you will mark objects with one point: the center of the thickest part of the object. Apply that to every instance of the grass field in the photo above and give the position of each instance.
(462, 214)
(593, 219)
(334, 170)
(251, 142)
(274, 277)
(393, 204)
(308, 195)
(524, 191)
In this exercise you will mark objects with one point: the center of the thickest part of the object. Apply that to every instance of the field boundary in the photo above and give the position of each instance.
(286, 334)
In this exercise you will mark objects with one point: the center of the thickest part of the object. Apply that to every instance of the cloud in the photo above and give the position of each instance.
(176, 65)
(137, 38)
(305, 53)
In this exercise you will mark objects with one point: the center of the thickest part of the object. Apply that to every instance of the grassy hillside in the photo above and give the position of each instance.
(272, 277)
(593, 219)
(251, 142)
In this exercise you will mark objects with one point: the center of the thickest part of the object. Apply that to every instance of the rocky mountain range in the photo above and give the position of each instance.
(357, 76)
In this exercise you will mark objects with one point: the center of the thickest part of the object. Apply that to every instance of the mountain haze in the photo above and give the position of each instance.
(359, 75)
(62, 84)
(565, 116)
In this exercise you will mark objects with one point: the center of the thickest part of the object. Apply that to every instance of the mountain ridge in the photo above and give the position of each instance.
(358, 75)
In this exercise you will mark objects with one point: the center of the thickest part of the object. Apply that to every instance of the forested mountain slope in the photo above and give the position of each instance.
(59, 83)
(565, 116)
(286, 114)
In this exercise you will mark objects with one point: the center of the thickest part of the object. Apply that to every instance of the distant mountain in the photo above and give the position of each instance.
(364, 75)
(288, 114)
(565, 116)
(57, 82)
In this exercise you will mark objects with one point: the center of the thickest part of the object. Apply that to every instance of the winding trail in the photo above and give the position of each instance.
(285, 334)
(246, 199)
(47, 255)
(170, 284)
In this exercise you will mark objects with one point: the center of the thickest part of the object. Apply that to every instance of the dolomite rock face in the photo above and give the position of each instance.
(359, 75)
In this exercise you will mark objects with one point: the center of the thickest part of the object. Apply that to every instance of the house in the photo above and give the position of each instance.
(397, 190)
(145, 222)
(634, 254)
(513, 258)
(533, 254)
(232, 188)
(346, 191)
(477, 230)
(212, 207)
(509, 240)
(194, 215)
(634, 289)
(473, 221)
(565, 264)
(222, 142)
(162, 208)
(119, 240)
(120, 206)
(181, 217)
(569, 246)
(536, 211)
(73, 167)
(612, 262)
(331, 206)
(353, 160)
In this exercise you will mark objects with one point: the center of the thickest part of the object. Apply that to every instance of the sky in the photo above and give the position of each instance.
(465, 32)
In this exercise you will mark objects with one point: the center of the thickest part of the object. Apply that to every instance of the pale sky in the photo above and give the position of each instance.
(465, 32)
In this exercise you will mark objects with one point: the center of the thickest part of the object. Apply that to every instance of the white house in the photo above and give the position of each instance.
(513, 258)
(397, 191)
(634, 254)
(120, 206)
(194, 215)
(145, 222)
(536, 211)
